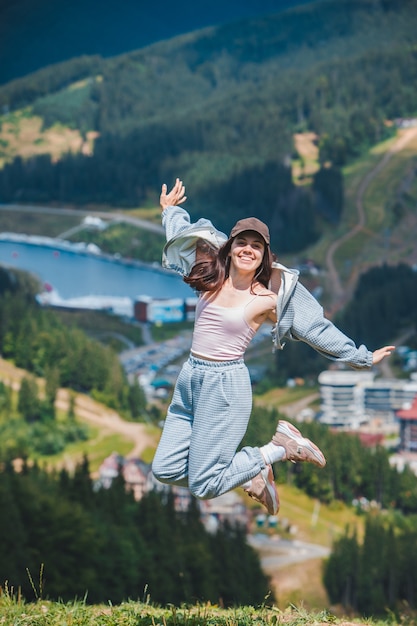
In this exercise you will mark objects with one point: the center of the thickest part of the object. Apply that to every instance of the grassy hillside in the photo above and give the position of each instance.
(379, 219)
(22, 134)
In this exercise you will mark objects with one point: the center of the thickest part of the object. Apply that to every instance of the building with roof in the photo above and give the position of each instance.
(135, 473)
(109, 470)
(139, 480)
(164, 310)
(407, 418)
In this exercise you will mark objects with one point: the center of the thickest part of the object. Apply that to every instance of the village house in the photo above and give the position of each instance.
(135, 473)
(407, 449)
(407, 418)
(139, 480)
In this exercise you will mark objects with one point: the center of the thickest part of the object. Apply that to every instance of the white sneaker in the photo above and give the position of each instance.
(297, 447)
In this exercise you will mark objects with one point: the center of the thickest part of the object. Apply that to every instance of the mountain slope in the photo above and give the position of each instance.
(37, 33)
(219, 107)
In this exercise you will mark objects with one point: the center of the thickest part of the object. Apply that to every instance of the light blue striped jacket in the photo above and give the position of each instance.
(300, 317)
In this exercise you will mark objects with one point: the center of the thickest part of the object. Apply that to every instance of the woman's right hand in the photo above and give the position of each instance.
(174, 197)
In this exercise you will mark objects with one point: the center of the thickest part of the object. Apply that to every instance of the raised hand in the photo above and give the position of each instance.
(381, 353)
(174, 197)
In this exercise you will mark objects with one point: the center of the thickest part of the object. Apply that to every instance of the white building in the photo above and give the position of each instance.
(164, 310)
(342, 398)
(352, 398)
(387, 396)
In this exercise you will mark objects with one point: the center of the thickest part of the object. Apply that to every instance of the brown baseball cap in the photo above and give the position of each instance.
(251, 223)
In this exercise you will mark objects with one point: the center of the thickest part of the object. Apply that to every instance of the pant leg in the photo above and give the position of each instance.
(222, 408)
(170, 463)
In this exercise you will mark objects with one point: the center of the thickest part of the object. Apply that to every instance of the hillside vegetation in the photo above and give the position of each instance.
(219, 107)
(44, 613)
(55, 31)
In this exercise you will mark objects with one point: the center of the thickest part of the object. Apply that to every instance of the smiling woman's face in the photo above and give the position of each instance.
(247, 251)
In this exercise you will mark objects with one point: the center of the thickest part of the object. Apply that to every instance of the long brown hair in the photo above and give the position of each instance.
(212, 267)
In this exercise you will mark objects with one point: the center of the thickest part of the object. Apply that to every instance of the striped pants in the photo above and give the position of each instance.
(205, 423)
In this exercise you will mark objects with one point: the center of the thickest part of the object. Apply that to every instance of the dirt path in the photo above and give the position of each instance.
(95, 413)
(340, 293)
(88, 410)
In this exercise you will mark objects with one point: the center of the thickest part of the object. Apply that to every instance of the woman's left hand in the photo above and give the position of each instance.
(174, 197)
(381, 353)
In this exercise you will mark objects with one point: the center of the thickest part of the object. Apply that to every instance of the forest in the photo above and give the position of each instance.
(340, 69)
(375, 575)
(59, 531)
(37, 341)
(63, 538)
(82, 27)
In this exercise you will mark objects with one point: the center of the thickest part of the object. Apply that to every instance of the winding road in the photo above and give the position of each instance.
(277, 553)
(114, 215)
(340, 294)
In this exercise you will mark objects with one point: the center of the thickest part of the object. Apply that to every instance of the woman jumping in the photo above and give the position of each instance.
(240, 287)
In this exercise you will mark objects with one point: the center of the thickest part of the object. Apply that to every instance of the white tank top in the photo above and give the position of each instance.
(221, 333)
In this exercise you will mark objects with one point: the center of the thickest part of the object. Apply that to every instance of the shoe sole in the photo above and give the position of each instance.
(285, 428)
(271, 490)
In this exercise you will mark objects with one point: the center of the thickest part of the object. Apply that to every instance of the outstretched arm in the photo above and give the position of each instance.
(381, 353)
(303, 319)
(174, 197)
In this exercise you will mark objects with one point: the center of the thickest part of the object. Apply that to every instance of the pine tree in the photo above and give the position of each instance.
(136, 399)
(372, 599)
(52, 381)
(28, 403)
(13, 538)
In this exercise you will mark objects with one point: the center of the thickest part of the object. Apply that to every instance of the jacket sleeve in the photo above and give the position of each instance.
(176, 220)
(305, 321)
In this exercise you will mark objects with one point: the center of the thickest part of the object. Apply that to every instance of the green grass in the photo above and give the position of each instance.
(98, 447)
(281, 396)
(36, 223)
(148, 212)
(125, 239)
(103, 327)
(349, 251)
(16, 612)
(320, 524)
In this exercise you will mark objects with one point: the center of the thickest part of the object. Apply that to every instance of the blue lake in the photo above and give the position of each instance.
(75, 274)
